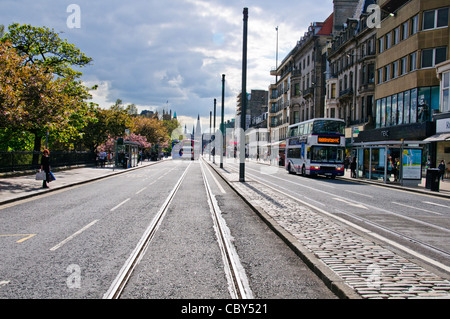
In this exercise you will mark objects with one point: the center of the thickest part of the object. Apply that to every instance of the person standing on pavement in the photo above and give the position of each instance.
(353, 167)
(442, 169)
(45, 166)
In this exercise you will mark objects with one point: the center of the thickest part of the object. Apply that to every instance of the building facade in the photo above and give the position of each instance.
(411, 40)
(351, 73)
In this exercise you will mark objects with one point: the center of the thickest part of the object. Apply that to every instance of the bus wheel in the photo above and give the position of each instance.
(290, 170)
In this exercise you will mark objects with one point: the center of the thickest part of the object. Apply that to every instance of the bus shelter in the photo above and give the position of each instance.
(127, 154)
(389, 161)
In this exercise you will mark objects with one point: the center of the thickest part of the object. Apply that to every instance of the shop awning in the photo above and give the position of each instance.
(438, 138)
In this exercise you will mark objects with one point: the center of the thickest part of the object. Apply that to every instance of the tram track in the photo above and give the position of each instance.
(125, 273)
(366, 221)
(237, 280)
(238, 286)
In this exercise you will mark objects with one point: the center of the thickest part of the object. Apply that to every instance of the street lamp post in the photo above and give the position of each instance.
(243, 101)
(214, 149)
(221, 122)
(210, 116)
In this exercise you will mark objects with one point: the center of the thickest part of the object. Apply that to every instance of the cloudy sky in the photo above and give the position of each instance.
(171, 54)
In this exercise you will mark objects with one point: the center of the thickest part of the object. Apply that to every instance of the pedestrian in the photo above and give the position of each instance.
(442, 169)
(353, 167)
(45, 166)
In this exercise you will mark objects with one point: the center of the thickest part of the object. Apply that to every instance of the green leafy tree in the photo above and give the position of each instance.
(44, 47)
(33, 100)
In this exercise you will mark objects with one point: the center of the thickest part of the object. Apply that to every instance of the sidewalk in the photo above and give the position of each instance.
(21, 187)
(444, 185)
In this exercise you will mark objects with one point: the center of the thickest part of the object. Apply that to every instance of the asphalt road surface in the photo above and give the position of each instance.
(74, 242)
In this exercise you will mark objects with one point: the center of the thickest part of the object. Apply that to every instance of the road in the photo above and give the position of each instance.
(74, 243)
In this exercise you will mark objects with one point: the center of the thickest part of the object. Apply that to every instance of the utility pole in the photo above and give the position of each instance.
(214, 152)
(244, 101)
(222, 149)
(210, 140)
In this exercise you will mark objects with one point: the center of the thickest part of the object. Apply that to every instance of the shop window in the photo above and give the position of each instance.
(394, 110)
(388, 111)
(406, 106)
(413, 114)
(378, 114)
(400, 108)
(423, 104)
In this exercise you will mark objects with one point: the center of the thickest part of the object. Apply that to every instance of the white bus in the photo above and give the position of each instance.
(316, 147)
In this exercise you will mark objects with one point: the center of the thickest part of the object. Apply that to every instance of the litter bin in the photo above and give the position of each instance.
(432, 179)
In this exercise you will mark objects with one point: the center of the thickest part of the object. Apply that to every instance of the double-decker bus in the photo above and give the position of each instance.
(183, 149)
(316, 147)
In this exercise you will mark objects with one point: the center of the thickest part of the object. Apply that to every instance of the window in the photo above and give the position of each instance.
(435, 19)
(433, 56)
(333, 90)
(380, 45)
(395, 69)
(413, 61)
(396, 35)
(387, 72)
(380, 76)
(414, 24)
(445, 106)
(371, 73)
(388, 40)
(403, 65)
(404, 35)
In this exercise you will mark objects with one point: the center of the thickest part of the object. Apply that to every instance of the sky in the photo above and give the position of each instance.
(171, 54)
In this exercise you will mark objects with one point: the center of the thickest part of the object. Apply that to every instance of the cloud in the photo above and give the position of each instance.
(150, 52)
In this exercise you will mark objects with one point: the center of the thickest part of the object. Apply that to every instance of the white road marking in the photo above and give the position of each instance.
(114, 208)
(425, 210)
(141, 190)
(360, 194)
(431, 203)
(73, 236)
(350, 203)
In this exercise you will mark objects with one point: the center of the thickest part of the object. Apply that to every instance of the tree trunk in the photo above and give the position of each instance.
(37, 149)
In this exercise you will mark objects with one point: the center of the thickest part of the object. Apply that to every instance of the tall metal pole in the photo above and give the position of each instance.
(222, 149)
(276, 58)
(214, 149)
(210, 116)
(243, 101)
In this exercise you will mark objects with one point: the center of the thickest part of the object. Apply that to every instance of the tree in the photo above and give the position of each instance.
(107, 123)
(32, 100)
(44, 47)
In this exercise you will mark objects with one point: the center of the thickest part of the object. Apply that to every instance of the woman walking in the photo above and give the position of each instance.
(45, 166)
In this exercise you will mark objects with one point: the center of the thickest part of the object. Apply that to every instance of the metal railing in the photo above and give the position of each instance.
(20, 161)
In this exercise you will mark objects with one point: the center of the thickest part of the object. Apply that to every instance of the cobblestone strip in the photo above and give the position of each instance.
(369, 269)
